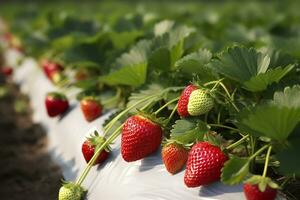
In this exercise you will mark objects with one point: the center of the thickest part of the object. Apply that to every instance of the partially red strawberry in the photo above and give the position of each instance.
(52, 70)
(56, 104)
(204, 164)
(89, 147)
(7, 71)
(174, 156)
(91, 108)
(252, 192)
(194, 101)
(183, 101)
(140, 138)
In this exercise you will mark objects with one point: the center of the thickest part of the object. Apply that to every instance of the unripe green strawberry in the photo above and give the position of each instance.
(71, 191)
(200, 102)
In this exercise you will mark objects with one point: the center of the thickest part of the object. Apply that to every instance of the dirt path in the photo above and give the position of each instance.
(26, 170)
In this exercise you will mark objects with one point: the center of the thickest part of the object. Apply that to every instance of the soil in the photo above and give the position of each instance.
(27, 171)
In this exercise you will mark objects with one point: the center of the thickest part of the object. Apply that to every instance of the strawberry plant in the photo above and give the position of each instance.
(216, 85)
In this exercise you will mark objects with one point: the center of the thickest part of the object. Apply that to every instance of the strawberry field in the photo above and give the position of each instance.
(162, 100)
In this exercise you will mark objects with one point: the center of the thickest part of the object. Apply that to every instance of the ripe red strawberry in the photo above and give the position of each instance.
(252, 192)
(204, 164)
(91, 108)
(90, 145)
(140, 138)
(7, 71)
(56, 104)
(174, 156)
(184, 100)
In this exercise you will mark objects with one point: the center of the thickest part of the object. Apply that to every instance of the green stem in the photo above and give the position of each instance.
(223, 126)
(172, 113)
(259, 151)
(166, 104)
(267, 161)
(237, 142)
(216, 84)
(112, 122)
(90, 164)
(213, 82)
(145, 106)
(228, 94)
(113, 98)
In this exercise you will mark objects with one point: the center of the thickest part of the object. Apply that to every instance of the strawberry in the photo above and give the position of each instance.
(252, 192)
(194, 102)
(7, 71)
(71, 191)
(204, 164)
(183, 101)
(174, 156)
(200, 102)
(52, 70)
(89, 147)
(91, 108)
(140, 138)
(56, 104)
(260, 188)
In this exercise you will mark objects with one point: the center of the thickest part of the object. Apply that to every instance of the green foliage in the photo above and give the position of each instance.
(249, 67)
(276, 119)
(187, 131)
(289, 158)
(235, 170)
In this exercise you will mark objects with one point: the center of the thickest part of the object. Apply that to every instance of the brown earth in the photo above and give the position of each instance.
(26, 169)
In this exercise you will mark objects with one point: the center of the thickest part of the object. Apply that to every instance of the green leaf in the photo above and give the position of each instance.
(269, 120)
(91, 49)
(137, 54)
(153, 90)
(134, 75)
(289, 158)
(160, 59)
(188, 131)
(276, 119)
(250, 68)
(235, 170)
(178, 34)
(123, 39)
(86, 84)
(261, 81)
(163, 27)
(290, 97)
(195, 63)
(240, 63)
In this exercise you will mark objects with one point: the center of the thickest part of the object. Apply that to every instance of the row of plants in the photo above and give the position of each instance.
(216, 85)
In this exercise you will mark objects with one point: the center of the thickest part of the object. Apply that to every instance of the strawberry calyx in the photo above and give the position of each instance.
(91, 98)
(262, 182)
(56, 96)
(97, 141)
(151, 117)
(168, 142)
